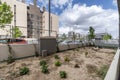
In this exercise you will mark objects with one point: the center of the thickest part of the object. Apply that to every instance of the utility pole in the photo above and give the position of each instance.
(49, 18)
(0, 2)
(118, 2)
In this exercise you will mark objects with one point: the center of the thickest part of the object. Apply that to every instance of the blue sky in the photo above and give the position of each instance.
(80, 14)
(105, 3)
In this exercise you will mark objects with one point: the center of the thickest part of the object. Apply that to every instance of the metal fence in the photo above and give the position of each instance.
(106, 43)
(26, 32)
(41, 37)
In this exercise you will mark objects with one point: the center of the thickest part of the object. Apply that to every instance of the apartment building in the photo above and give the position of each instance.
(32, 21)
(38, 22)
(34, 18)
(99, 36)
(71, 34)
(19, 10)
(54, 24)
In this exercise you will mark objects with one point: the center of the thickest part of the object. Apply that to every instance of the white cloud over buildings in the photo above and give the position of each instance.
(80, 17)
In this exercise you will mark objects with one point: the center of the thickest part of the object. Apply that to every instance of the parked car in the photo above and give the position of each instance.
(12, 41)
(62, 45)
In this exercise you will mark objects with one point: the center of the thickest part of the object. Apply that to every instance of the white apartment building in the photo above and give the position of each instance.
(19, 10)
(54, 24)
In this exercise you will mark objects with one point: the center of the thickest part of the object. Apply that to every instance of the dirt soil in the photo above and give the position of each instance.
(84, 57)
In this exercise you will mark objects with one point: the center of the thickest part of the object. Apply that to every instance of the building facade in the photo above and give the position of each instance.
(54, 24)
(38, 22)
(99, 36)
(19, 10)
(34, 18)
(32, 21)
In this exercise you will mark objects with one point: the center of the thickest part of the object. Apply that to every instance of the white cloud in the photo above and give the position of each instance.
(61, 3)
(43, 2)
(82, 16)
(55, 3)
(115, 2)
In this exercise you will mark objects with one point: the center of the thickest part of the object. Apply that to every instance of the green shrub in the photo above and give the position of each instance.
(24, 71)
(57, 63)
(44, 69)
(10, 60)
(91, 68)
(66, 59)
(43, 62)
(63, 74)
(76, 66)
(86, 54)
(56, 57)
(77, 49)
(103, 71)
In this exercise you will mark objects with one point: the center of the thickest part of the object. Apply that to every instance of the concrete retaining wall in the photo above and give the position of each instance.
(4, 52)
(18, 51)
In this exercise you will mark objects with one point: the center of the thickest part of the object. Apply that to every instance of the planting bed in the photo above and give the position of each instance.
(80, 64)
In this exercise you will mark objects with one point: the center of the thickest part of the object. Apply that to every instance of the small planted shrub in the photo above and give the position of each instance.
(44, 69)
(43, 62)
(103, 71)
(77, 66)
(63, 74)
(91, 68)
(66, 59)
(57, 63)
(86, 54)
(77, 49)
(56, 57)
(24, 71)
(10, 60)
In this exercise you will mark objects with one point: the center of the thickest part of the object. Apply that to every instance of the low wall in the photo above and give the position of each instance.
(106, 43)
(18, 51)
(4, 52)
(113, 72)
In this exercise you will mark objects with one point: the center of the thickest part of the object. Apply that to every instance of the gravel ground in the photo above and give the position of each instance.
(89, 59)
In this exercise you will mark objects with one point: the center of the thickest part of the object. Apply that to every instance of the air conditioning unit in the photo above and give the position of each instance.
(44, 53)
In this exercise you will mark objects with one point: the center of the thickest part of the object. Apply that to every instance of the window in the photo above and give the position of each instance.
(38, 23)
(28, 7)
(28, 14)
(31, 22)
(38, 18)
(32, 15)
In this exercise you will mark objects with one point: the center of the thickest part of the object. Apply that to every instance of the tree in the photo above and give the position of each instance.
(107, 36)
(16, 32)
(64, 36)
(91, 34)
(6, 14)
(74, 37)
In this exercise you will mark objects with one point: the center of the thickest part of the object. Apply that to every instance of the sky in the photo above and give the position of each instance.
(79, 15)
